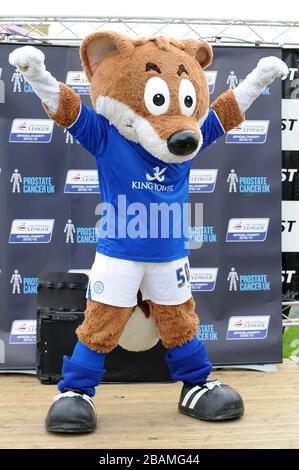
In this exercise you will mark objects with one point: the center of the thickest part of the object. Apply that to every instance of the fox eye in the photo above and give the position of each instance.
(187, 97)
(156, 96)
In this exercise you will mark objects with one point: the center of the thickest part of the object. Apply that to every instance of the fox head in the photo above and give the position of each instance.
(153, 90)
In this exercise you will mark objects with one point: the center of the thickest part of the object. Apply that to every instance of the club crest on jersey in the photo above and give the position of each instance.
(98, 287)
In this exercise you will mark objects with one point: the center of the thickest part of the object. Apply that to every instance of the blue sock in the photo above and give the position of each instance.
(83, 355)
(189, 362)
(83, 371)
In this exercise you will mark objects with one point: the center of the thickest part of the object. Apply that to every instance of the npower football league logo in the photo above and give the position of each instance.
(34, 131)
(248, 327)
(203, 279)
(211, 76)
(249, 132)
(31, 231)
(82, 181)
(77, 80)
(23, 332)
(202, 181)
(247, 230)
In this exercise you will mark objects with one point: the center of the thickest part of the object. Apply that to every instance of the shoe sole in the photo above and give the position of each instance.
(232, 414)
(69, 429)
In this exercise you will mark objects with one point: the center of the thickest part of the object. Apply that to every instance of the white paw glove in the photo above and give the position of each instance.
(267, 69)
(30, 61)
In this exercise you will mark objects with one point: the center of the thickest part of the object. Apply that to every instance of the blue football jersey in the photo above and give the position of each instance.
(144, 200)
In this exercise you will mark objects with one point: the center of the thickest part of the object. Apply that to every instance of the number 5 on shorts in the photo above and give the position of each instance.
(183, 274)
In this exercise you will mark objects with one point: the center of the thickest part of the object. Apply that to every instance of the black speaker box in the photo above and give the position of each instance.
(60, 306)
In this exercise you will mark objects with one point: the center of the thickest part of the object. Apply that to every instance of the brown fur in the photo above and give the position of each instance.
(68, 107)
(96, 45)
(103, 325)
(177, 324)
(120, 73)
(200, 50)
(143, 304)
(116, 67)
(227, 109)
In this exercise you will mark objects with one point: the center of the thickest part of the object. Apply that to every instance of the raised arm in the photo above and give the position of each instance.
(231, 105)
(60, 102)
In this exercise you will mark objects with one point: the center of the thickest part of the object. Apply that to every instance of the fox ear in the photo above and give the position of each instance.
(97, 45)
(200, 50)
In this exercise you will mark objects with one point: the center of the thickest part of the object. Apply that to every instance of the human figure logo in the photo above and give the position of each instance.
(233, 279)
(17, 79)
(69, 230)
(232, 179)
(16, 179)
(2, 88)
(232, 80)
(16, 281)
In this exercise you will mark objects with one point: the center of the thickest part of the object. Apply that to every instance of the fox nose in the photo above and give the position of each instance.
(183, 142)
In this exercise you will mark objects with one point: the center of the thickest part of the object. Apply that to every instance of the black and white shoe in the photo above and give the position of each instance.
(212, 401)
(71, 412)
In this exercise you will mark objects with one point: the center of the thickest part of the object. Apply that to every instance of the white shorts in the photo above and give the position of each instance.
(116, 282)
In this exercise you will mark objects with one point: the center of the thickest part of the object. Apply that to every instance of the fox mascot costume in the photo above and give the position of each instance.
(150, 118)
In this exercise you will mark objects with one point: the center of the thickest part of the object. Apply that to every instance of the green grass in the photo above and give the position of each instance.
(290, 345)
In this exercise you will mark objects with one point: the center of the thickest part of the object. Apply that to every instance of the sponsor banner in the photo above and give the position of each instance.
(290, 226)
(289, 176)
(208, 332)
(203, 279)
(240, 182)
(247, 230)
(290, 276)
(203, 234)
(247, 328)
(249, 132)
(290, 125)
(32, 131)
(211, 77)
(202, 181)
(23, 332)
(31, 231)
(247, 282)
(78, 81)
(82, 181)
(247, 184)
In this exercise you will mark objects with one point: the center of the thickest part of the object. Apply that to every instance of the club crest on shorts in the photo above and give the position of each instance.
(98, 287)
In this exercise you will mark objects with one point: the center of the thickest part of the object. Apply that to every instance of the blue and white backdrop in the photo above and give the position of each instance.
(49, 195)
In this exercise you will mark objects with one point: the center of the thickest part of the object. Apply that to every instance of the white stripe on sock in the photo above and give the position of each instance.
(188, 395)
